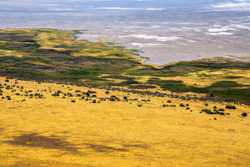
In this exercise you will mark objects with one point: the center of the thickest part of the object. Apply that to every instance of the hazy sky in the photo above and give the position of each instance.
(239, 5)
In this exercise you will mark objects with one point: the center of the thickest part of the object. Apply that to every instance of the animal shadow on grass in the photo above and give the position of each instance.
(39, 141)
(106, 148)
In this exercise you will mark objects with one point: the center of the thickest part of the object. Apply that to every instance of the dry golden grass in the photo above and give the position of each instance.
(54, 132)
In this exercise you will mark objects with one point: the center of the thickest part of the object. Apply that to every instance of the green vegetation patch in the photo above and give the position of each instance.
(55, 55)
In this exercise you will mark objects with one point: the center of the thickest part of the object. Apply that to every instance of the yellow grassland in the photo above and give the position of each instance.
(118, 134)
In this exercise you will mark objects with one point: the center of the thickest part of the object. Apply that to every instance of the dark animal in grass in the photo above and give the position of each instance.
(69, 94)
(231, 107)
(139, 105)
(91, 92)
(182, 105)
(168, 105)
(244, 114)
(8, 97)
(208, 111)
(73, 101)
(38, 95)
(114, 98)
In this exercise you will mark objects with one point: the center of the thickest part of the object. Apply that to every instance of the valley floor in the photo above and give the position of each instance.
(56, 125)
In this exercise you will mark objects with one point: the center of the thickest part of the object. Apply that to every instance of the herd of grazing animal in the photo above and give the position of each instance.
(10, 89)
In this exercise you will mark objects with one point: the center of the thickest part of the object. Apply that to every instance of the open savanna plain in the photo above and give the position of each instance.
(71, 103)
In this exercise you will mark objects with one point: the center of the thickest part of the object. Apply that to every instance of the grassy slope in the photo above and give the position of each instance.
(47, 124)
(46, 54)
(54, 131)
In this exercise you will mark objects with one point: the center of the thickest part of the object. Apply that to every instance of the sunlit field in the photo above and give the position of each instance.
(61, 125)
(74, 103)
